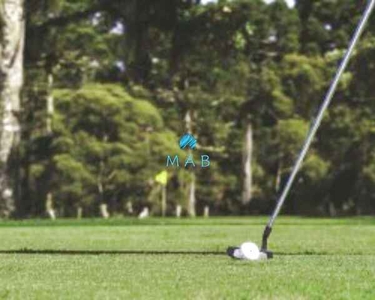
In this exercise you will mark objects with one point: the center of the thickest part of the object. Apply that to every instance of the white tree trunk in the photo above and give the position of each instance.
(191, 199)
(49, 207)
(206, 212)
(50, 103)
(178, 211)
(50, 112)
(247, 162)
(278, 176)
(79, 212)
(12, 37)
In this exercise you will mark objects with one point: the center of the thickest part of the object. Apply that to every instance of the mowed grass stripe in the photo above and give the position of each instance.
(334, 260)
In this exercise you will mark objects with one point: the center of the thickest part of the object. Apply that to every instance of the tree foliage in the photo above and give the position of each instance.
(126, 74)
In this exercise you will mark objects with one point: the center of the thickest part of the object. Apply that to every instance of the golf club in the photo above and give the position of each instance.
(264, 253)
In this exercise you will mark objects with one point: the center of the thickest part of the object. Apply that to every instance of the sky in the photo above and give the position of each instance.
(290, 2)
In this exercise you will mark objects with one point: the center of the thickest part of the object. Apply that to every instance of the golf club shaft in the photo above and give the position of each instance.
(318, 120)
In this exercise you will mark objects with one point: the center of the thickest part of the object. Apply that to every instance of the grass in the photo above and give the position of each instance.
(183, 259)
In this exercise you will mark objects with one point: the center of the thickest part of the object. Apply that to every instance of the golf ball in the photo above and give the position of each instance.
(250, 251)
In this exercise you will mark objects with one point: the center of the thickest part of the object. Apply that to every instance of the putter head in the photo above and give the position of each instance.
(238, 253)
(267, 253)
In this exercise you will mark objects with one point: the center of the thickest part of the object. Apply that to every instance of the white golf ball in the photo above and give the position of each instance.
(250, 251)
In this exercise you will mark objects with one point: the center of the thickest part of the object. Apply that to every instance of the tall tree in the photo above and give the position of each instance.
(12, 35)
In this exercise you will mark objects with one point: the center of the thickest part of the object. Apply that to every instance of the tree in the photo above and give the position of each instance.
(327, 25)
(12, 35)
(126, 78)
(102, 152)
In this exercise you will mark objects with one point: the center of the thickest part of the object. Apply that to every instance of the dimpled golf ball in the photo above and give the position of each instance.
(250, 251)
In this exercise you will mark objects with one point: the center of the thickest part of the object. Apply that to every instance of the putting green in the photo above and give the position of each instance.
(183, 259)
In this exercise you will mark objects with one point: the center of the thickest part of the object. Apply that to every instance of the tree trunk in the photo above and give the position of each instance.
(79, 212)
(178, 211)
(50, 111)
(49, 207)
(247, 162)
(12, 36)
(278, 176)
(192, 199)
(206, 212)
(50, 103)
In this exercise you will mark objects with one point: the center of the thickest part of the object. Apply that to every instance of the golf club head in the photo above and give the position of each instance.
(249, 251)
(268, 254)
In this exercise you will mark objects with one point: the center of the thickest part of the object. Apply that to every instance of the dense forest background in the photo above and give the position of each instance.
(95, 94)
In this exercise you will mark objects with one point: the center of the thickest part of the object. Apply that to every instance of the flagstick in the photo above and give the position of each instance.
(163, 199)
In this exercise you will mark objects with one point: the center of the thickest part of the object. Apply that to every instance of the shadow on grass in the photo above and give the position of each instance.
(110, 252)
(157, 252)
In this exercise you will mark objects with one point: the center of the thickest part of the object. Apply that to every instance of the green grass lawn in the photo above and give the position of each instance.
(184, 259)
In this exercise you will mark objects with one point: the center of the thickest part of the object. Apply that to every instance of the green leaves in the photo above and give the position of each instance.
(315, 168)
(105, 137)
(291, 134)
(223, 65)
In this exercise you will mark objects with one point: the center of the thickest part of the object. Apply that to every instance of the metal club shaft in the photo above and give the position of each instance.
(318, 120)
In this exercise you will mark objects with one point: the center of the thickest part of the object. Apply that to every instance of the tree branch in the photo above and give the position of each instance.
(64, 20)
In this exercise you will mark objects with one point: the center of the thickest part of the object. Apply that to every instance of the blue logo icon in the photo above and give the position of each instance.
(188, 141)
